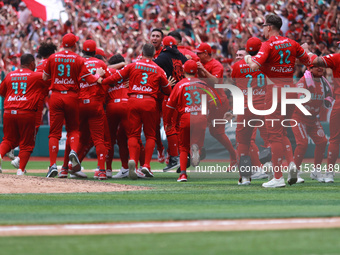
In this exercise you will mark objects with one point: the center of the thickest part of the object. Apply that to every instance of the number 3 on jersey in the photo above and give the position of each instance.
(15, 87)
(189, 100)
(144, 78)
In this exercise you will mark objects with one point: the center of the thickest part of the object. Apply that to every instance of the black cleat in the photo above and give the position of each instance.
(173, 163)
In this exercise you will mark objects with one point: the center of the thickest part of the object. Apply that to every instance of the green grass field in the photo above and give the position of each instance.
(297, 242)
(204, 196)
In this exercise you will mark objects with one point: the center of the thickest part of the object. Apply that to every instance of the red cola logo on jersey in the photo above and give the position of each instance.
(64, 81)
(194, 108)
(256, 92)
(282, 69)
(177, 71)
(17, 98)
(142, 88)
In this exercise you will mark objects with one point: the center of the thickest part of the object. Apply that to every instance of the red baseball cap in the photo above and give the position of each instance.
(89, 46)
(70, 40)
(253, 44)
(190, 66)
(203, 47)
(100, 52)
(169, 41)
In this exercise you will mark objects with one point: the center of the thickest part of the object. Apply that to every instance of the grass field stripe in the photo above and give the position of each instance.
(180, 226)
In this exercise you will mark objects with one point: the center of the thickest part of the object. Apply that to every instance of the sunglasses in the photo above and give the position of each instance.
(266, 25)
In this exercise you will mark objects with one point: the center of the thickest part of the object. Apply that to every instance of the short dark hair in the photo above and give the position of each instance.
(89, 53)
(253, 53)
(100, 57)
(242, 48)
(148, 50)
(176, 35)
(46, 49)
(157, 30)
(115, 59)
(274, 20)
(26, 59)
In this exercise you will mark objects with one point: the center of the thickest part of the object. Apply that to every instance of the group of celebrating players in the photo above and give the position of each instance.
(101, 105)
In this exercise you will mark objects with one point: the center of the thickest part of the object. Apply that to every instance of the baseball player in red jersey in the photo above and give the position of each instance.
(212, 69)
(244, 77)
(254, 150)
(146, 79)
(117, 116)
(332, 61)
(91, 110)
(276, 59)
(45, 50)
(156, 39)
(310, 125)
(186, 100)
(65, 68)
(21, 89)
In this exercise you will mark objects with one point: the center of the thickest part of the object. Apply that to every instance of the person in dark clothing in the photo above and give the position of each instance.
(171, 61)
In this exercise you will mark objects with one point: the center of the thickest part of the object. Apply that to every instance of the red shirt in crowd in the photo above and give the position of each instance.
(145, 78)
(22, 89)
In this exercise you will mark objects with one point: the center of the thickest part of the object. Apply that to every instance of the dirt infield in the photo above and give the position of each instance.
(171, 226)
(10, 184)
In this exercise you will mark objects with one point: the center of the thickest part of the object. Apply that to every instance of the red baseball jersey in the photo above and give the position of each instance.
(41, 65)
(40, 68)
(245, 77)
(216, 68)
(22, 89)
(277, 56)
(332, 61)
(186, 52)
(318, 94)
(120, 91)
(65, 69)
(145, 78)
(186, 96)
(93, 90)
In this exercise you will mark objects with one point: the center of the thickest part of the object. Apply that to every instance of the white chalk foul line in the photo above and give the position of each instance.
(166, 225)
